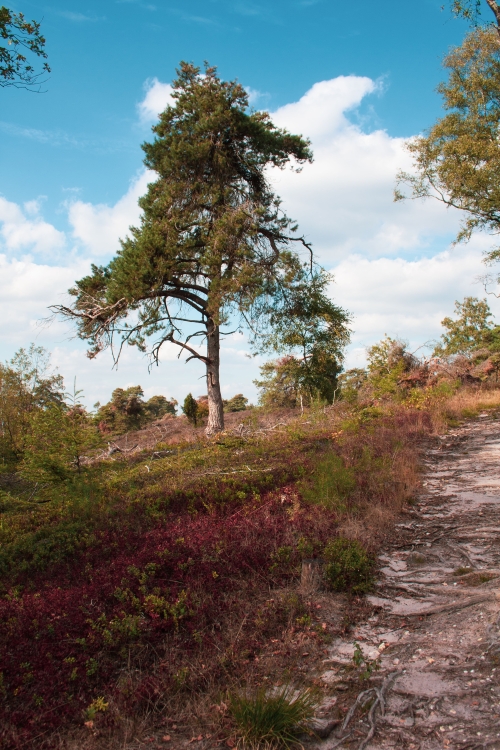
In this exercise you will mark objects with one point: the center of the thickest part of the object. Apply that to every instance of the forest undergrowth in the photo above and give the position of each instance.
(151, 584)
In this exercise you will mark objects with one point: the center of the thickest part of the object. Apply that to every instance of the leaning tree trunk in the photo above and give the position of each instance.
(215, 406)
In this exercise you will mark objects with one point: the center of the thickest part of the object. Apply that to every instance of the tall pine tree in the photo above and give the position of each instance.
(213, 245)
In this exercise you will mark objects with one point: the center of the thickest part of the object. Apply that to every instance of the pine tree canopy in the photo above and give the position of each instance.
(213, 245)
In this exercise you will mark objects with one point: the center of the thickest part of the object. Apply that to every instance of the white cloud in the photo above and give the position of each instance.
(407, 299)
(26, 230)
(158, 95)
(321, 112)
(27, 289)
(392, 262)
(254, 95)
(98, 227)
(344, 200)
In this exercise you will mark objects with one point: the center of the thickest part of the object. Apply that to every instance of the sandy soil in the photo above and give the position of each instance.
(434, 625)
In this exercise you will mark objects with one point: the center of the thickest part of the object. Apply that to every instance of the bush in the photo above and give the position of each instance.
(274, 718)
(236, 403)
(349, 566)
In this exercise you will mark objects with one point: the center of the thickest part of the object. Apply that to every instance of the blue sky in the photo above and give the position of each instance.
(358, 78)
(82, 134)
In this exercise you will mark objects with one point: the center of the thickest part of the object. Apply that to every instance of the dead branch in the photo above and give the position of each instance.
(447, 607)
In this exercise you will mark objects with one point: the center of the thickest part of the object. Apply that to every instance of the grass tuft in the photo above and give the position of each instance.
(276, 719)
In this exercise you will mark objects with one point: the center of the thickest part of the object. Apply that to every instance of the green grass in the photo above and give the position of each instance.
(331, 484)
(276, 719)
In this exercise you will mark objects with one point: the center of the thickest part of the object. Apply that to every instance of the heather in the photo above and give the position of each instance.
(147, 582)
(124, 584)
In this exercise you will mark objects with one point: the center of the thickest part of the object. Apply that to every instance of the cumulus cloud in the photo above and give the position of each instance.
(25, 230)
(158, 95)
(27, 288)
(406, 298)
(394, 269)
(98, 227)
(344, 200)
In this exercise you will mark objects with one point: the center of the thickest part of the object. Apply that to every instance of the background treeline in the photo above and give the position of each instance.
(468, 352)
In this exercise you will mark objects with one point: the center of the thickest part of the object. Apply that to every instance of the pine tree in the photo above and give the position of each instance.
(23, 37)
(190, 409)
(213, 246)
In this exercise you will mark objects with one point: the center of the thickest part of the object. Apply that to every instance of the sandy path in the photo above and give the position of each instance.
(435, 634)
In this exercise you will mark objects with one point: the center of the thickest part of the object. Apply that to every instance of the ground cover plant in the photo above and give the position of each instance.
(349, 567)
(276, 718)
(146, 583)
(134, 582)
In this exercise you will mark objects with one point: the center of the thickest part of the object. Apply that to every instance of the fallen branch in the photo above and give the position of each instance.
(446, 607)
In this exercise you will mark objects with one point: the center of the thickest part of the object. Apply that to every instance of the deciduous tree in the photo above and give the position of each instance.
(458, 160)
(127, 410)
(315, 331)
(27, 384)
(468, 331)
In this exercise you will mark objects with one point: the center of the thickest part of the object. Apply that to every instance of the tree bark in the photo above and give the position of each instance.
(215, 406)
(496, 11)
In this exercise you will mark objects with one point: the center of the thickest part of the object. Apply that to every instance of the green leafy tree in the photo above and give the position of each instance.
(190, 409)
(351, 382)
(469, 331)
(60, 438)
(22, 38)
(458, 160)
(389, 361)
(316, 331)
(279, 383)
(124, 412)
(58, 442)
(127, 410)
(471, 10)
(236, 403)
(157, 406)
(213, 246)
(27, 385)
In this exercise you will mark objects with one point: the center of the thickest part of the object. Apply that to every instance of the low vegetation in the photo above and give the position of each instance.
(276, 718)
(138, 584)
(348, 566)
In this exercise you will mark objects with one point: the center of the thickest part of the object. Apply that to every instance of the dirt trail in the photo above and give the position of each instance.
(435, 634)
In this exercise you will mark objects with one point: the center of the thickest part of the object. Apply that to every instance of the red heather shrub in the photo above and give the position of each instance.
(65, 645)
(176, 568)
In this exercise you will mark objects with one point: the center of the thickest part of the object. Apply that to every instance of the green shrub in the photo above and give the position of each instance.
(275, 718)
(348, 566)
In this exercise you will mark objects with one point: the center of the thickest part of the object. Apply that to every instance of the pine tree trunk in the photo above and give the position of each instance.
(215, 406)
